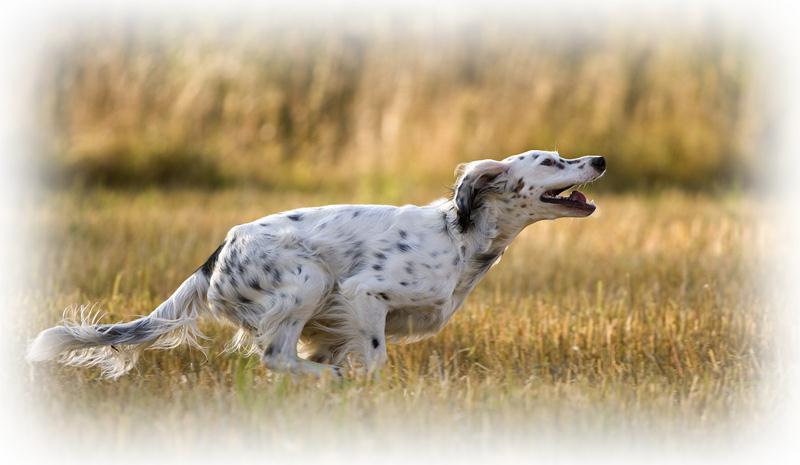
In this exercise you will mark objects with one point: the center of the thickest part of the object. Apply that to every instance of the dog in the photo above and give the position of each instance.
(314, 289)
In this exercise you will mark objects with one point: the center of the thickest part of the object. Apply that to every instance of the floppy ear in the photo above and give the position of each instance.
(476, 178)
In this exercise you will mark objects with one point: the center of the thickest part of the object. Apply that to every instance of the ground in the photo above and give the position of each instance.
(646, 316)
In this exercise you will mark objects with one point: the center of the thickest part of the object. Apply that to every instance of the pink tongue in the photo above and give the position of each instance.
(577, 196)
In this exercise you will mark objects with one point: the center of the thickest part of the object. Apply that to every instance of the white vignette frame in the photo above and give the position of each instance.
(773, 28)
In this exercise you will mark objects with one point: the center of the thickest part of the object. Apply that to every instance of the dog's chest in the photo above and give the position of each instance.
(422, 293)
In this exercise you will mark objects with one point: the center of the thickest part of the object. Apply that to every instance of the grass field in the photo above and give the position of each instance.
(644, 317)
(272, 103)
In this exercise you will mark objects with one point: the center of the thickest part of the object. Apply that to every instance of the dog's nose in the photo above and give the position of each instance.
(599, 163)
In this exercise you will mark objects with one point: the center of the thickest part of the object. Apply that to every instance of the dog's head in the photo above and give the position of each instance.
(529, 183)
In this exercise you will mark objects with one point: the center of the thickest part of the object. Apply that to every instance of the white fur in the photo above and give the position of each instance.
(337, 282)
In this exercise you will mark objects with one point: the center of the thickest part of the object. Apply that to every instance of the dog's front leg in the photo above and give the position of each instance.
(367, 339)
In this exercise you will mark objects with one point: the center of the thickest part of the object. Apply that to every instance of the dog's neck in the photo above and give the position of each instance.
(495, 224)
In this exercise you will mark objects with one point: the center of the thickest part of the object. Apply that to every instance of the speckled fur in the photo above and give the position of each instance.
(337, 282)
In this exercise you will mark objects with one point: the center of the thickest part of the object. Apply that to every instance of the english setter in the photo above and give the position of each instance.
(335, 283)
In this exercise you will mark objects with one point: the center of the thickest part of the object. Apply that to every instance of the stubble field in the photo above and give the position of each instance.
(645, 317)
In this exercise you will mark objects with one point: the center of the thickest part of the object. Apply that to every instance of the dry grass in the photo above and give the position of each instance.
(645, 317)
(273, 103)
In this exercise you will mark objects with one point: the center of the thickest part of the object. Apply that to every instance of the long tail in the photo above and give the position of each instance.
(115, 348)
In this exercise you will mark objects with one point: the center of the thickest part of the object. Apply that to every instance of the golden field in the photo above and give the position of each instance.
(387, 105)
(646, 316)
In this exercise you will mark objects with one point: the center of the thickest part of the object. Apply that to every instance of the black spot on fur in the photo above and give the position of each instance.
(356, 213)
(560, 165)
(485, 260)
(208, 266)
(403, 234)
(255, 284)
(403, 247)
(375, 343)
(270, 350)
(380, 256)
(572, 162)
(124, 332)
(403, 283)
(377, 267)
(295, 217)
(383, 296)
(243, 299)
(355, 253)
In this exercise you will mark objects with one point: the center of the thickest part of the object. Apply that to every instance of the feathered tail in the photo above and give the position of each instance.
(115, 348)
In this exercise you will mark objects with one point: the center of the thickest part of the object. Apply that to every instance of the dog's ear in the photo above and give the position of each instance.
(474, 180)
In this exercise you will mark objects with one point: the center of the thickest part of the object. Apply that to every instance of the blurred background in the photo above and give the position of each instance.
(155, 135)
(391, 103)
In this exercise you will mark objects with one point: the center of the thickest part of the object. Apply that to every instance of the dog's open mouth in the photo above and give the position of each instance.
(575, 200)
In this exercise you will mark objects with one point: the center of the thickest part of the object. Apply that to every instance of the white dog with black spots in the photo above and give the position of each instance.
(315, 288)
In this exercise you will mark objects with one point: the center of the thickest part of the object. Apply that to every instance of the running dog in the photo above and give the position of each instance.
(314, 288)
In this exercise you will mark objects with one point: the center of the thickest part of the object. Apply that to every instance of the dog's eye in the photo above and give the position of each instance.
(547, 162)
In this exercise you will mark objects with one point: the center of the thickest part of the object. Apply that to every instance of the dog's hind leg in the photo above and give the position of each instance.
(290, 308)
(271, 294)
(280, 354)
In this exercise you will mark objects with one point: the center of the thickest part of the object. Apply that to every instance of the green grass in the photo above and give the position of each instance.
(643, 317)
